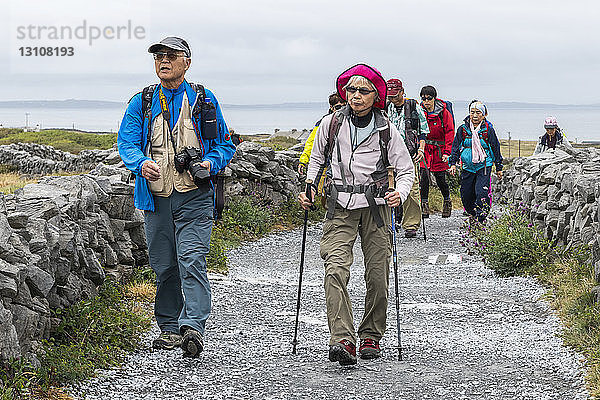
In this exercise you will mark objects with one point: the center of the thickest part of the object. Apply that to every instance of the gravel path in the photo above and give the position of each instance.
(466, 334)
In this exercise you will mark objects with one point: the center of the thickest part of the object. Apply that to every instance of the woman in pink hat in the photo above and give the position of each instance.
(355, 145)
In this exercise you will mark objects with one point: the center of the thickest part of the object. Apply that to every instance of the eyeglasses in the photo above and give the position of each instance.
(338, 107)
(363, 91)
(170, 56)
(427, 98)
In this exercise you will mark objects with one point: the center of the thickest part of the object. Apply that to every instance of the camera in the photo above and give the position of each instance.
(190, 159)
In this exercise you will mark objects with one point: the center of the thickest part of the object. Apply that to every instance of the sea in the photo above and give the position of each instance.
(526, 123)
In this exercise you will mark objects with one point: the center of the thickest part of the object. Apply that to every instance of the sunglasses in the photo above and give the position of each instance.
(427, 98)
(338, 107)
(170, 56)
(363, 91)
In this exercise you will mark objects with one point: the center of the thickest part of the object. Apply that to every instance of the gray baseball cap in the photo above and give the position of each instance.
(172, 42)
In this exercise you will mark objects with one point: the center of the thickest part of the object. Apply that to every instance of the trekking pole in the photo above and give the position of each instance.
(422, 217)
(395, 257)
(309, 195)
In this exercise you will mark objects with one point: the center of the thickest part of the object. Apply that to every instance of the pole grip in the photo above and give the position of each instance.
(391, 182)
(309, 194)
(308, 189)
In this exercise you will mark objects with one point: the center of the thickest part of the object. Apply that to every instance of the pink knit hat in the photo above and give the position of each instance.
(550, 122)
(368, 72)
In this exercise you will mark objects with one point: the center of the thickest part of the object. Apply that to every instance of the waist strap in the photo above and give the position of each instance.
(438, 144)
(370, 191)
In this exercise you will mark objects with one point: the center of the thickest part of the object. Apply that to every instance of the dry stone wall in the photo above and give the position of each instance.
(37, 159)
(561, 188)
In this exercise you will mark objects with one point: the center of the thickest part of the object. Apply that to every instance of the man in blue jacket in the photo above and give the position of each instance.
(172, 137)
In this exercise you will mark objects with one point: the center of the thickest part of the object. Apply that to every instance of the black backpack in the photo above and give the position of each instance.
(412, 126)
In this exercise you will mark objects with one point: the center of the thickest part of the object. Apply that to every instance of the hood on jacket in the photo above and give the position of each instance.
(371, 74)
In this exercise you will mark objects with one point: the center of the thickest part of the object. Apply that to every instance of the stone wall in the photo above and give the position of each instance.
(37, 159)
(255, 168)
(561, 188)
(59, 238)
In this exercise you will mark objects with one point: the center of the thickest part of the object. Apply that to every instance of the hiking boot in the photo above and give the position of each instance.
(410, 233)
(369, 349)
(447, 209)
(167, 341)
(344, 352)
(192, 343)
(425, 208)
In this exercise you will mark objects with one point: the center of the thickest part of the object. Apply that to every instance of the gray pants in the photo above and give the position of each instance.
(178, 238)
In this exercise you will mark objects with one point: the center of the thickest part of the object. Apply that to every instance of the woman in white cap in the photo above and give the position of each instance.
(552, 138)
(477, 147)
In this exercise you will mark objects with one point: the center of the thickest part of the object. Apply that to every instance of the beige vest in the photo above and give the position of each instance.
(163, 153)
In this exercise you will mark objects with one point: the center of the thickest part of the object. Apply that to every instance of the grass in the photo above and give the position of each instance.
(11, 181)
(280, 142)
(94, 333)
(71, 141)
(517, 148)
(511, 245)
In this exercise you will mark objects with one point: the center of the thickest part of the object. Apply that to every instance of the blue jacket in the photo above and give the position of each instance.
(133, 137)
(461, 147)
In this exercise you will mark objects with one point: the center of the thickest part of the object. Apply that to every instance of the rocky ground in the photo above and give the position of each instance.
(466, 333)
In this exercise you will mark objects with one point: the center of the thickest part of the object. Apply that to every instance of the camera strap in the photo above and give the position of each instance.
(166, 116)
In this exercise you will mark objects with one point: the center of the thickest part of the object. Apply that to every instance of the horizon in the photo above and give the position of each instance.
(315, 103)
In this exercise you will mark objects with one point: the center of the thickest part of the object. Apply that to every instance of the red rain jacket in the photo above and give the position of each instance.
(442, 134)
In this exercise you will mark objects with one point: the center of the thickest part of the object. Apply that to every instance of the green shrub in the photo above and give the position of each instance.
(290, 214)
(510, 244)
(92, 334)
(247, 217)
(8, 169)
(280, 142)
(16, 379)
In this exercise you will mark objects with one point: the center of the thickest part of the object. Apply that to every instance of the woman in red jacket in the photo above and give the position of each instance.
(438, 145)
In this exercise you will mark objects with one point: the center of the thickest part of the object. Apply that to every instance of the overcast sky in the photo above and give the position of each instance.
(260, 52)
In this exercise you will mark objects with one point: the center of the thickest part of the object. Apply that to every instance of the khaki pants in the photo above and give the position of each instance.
(339, 235)
(412, 206)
